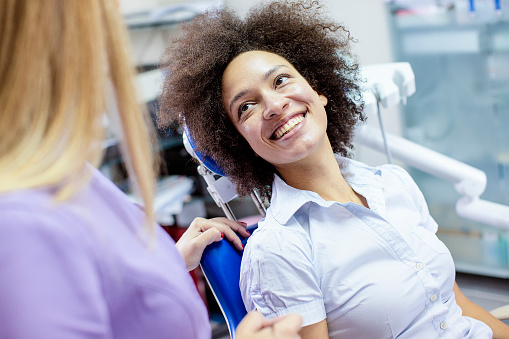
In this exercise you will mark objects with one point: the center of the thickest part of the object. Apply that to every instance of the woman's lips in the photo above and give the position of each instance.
(287, 126)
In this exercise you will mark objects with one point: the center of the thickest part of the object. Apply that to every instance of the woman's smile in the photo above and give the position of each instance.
(288, 126)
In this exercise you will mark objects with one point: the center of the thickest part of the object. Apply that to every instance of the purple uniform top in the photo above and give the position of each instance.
(83, 269)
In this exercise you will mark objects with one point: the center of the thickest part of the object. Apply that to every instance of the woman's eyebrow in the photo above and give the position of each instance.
(272, 70)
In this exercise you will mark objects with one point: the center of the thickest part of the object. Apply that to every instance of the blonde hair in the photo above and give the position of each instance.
(57, 60)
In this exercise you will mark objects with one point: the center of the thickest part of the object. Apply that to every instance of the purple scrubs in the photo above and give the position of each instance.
(84, 269)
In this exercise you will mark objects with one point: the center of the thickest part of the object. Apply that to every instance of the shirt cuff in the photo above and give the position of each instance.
(311, 312)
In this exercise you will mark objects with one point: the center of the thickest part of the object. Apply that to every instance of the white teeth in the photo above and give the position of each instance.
(288, 126)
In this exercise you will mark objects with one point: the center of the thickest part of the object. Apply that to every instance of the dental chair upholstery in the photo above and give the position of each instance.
(221, 266)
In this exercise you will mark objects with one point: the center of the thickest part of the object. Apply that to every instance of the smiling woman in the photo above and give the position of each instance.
(352, 249)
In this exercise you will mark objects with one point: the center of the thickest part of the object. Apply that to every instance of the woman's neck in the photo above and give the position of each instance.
(321, 174)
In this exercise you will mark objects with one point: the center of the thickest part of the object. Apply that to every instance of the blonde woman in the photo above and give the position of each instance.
(77, 259)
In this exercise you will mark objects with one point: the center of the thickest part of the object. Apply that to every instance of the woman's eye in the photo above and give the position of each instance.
(280, 79)
(244, 107)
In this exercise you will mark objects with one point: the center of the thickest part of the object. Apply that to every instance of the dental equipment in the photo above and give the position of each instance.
(468, 181)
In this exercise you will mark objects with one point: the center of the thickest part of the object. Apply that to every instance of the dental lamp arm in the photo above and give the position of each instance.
(387, 85)
(467, 180)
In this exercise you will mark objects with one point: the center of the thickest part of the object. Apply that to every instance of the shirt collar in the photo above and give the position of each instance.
(287, 200)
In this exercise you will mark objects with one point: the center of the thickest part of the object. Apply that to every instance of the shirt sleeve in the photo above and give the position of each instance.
(277, 276)
(415, 195)
(49, 283)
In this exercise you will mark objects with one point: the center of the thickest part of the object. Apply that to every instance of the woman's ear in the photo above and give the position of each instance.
(323, 99)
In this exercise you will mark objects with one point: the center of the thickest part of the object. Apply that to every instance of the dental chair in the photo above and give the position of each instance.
(387, 85)
(222, 278)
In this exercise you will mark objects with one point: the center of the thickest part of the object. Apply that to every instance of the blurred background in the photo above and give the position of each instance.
(459, 52)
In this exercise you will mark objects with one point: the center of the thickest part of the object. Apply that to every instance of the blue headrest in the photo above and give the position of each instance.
(206, 160)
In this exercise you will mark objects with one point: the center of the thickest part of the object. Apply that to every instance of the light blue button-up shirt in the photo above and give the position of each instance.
(372, 273)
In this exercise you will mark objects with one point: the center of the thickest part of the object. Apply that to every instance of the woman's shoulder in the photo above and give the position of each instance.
(274, 239)
(353, 165)
(96, 204)
(393, 169)
(385, 172)
(33, 202)
(31, 222)
(396, 177)
(45, 199)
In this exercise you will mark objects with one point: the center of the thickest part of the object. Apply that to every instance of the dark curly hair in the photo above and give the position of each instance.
(195, 61)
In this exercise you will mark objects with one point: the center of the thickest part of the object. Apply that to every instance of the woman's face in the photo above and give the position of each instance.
(273, 107)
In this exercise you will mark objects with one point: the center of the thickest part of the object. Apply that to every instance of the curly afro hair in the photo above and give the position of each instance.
(298, 31)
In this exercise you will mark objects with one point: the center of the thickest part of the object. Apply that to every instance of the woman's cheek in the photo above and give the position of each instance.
(248, 131)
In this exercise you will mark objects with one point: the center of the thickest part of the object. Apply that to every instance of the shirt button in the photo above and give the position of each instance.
(433, 298)
(420, 266)
(443, 325)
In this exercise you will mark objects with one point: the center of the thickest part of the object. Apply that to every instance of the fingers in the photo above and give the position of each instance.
(252, 322)
(288, 325)
(237, 226)
(272, 321)
(225, 226)
(254, 325)
(208, 237)
(234, 238)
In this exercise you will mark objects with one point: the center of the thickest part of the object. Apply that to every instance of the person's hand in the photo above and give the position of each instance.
(203, 232)
(255, 326)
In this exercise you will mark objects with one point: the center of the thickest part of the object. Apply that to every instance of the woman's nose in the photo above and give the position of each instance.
(275, 105)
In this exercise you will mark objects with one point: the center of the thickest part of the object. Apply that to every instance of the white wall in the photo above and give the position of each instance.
(365, 19)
